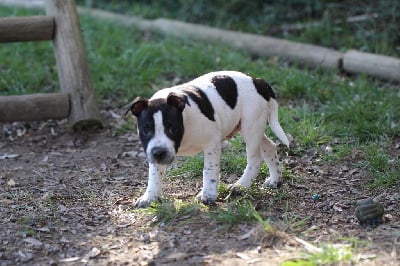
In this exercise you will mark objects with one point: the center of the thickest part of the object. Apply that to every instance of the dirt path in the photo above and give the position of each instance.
(67, 198)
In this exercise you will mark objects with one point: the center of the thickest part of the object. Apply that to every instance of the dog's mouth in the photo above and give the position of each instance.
(160, 155)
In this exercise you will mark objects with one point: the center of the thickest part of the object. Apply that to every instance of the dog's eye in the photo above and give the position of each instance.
(147, 130)
(171, 129)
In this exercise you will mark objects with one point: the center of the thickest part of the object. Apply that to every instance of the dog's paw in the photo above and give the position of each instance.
(145, 201)
(272, 183)
(206, 199)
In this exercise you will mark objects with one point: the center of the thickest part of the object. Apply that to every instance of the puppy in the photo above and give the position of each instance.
(196, 116)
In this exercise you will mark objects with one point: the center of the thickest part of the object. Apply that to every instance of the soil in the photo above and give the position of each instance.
(67, 198)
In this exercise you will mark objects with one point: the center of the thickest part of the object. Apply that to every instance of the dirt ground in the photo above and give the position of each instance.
(67, 198)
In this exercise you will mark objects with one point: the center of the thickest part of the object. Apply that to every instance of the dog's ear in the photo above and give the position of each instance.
(137, 106)
(179, 101)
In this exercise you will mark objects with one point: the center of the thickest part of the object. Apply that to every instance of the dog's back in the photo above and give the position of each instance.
(220, 101)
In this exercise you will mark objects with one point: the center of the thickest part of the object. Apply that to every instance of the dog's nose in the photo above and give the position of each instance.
(159, 153)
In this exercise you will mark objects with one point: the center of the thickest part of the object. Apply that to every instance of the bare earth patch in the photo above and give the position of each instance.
(68, 198)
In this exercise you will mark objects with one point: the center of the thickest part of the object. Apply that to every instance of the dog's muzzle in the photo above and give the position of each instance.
(161, 155)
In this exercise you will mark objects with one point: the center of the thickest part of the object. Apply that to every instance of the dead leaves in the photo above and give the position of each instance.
(67, 199)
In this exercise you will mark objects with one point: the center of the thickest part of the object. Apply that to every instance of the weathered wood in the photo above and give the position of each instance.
(261, 45)
(34, 107)
(380, 66)
(22, 29)
(72, 64)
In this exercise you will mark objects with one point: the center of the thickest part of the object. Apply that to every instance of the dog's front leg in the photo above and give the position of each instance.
(154, 186)
(211, 169)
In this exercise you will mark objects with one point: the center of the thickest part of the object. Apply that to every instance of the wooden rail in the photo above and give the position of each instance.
(380, 66)
(34, 107)
(22, 29)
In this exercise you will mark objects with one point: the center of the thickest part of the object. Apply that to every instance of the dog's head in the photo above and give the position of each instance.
(160, 125)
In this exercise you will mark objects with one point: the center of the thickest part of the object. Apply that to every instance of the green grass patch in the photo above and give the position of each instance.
(188, 167)
(364, 111)
(26, 67)
(171, 211)
(383, 169)
(233, 213)
(324, 255)
(327, 23)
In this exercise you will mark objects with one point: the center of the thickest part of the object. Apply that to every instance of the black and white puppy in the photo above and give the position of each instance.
(196, 116)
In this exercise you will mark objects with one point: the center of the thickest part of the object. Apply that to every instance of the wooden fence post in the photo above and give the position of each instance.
(72, 64)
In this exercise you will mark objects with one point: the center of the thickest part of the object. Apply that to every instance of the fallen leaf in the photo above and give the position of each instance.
(114, 115)
(21, 132)
(338, 208)
(308, 246)
(246, 235)
(176, 256)
(242, 256)
(9, 156)
(94, 252)
(72, 259)
(43, 229)
(254, 261)
(33, 241)
(25, 256)
(45, 159)
(11, 183)
(388, 216)
(351, 172)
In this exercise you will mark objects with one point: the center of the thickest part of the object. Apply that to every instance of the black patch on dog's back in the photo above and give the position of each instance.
(263, 88)
(226, 88)
(202, 101)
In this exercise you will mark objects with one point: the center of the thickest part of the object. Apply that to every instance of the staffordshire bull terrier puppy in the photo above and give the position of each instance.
(197, 116)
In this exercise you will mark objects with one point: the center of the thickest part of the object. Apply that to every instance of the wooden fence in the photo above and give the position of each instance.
(77, 100)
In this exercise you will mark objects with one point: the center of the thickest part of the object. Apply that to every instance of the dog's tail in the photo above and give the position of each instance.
(274, 122)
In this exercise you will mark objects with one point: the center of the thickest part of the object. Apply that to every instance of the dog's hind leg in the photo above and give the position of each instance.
(251, 134)
(268, 151)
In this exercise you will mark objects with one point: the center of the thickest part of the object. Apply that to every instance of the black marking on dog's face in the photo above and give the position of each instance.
(227, 89)
(263, 88)
(172, 120)
(201, 99)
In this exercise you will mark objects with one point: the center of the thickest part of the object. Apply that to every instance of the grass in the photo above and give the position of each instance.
(382, 167)
(177, 212)
(318, 22)
(326, 255)
(233, 213)
(319, 108)
(171, 211)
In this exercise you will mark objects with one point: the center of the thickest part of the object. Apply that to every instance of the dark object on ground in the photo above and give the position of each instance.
(369, 212)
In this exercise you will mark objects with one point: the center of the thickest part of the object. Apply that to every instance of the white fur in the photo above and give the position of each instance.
(252, 112)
